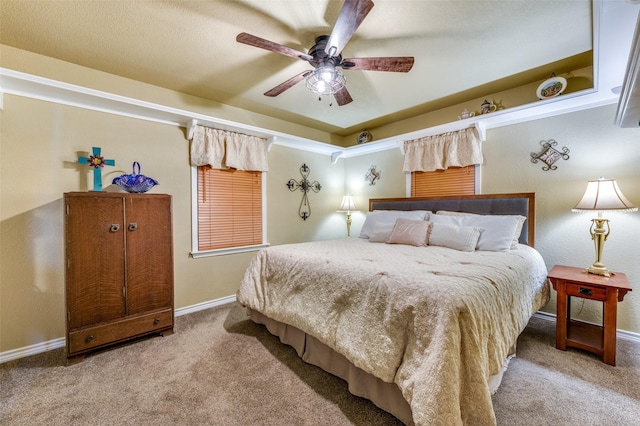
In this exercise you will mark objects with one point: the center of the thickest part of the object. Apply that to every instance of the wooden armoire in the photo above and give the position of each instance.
(119, 268)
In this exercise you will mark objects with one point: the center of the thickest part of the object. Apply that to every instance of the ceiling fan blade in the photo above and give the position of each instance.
(342, 96)
(256, 41)
(351, 16)
(287, 84)
(393, 64)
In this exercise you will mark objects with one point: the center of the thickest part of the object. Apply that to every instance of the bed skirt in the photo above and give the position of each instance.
(386, 396)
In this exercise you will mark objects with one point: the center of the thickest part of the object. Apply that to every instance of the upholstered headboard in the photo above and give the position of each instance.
(489, 204)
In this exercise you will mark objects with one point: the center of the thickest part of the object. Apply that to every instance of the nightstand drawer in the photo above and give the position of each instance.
(586, 291)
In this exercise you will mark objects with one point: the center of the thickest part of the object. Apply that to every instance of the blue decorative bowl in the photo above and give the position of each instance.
(135, 182)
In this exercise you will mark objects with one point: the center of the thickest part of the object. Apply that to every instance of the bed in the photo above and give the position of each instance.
(422, 323)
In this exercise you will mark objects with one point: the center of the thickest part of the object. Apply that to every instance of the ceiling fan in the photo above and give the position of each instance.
(326, 59)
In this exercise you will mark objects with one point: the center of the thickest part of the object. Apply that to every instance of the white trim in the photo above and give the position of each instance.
(22, 84)
(233, 250)
(49, 345)
(60, 342)
(191, 128)
(197, 254)
(204, 305)
(35, 87)
(26, 351)
(620, 334)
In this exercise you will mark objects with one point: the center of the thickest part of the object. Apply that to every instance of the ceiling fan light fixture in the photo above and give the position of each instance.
(326, 80)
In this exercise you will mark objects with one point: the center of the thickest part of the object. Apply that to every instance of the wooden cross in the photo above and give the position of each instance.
(97, 162)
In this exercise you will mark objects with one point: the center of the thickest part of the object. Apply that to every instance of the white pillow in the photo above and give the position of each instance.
(463, 238)
(388, 216)
(498, 230)
(410, 232)
(516, 236)
(381, 232)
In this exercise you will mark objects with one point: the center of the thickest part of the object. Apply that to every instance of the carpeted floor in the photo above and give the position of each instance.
(219, 368)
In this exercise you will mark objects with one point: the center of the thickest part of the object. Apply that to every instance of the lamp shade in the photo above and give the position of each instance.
(603, 194)
(348, 205)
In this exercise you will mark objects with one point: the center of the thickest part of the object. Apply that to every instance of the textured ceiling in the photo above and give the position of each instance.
(190, 47)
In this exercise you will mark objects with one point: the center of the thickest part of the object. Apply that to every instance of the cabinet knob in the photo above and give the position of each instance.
(89, 338)
(133, 226)
(156, 321)
(114, 227)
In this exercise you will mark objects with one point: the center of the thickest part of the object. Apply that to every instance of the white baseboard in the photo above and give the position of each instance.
(620, 334)
(38, 348)
(60, 342)
(204, 305)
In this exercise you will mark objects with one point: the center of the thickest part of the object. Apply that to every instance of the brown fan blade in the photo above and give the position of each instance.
(351, 16)
(287, 84)
(256, 41)
(342, 96)
(393, 64)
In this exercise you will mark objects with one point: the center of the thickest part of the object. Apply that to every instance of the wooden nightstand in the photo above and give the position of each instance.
(600, 340)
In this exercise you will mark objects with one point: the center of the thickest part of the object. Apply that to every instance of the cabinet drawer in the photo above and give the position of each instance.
(112, 332)
(586, 291)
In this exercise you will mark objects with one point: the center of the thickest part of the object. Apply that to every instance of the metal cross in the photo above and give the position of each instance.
(304, 185)
(97, 162)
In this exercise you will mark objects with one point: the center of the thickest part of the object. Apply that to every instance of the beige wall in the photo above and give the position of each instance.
(40, 142)
(597, 148)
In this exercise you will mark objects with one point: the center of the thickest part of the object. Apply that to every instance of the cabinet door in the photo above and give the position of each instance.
(94, 248)
(149, 272)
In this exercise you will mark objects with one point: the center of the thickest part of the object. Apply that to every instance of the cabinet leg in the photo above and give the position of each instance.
(75, 359)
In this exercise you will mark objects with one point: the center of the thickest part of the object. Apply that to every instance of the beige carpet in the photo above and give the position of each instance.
(221, 369)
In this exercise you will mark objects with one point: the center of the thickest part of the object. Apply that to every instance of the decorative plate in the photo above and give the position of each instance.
(364, 137)
(551, 88)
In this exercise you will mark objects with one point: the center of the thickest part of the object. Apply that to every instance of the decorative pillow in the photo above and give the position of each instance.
(516, 236)
(389, 216)
(381, 232)
(463, 238)
(498, 231)
(410, 232)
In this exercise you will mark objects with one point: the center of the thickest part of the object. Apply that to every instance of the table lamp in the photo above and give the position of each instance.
(602, 195)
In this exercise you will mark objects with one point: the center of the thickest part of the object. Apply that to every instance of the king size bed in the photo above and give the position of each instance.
(420, 313)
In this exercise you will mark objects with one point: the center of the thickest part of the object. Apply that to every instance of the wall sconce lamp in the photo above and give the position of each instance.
(348, 206)
(602, 195)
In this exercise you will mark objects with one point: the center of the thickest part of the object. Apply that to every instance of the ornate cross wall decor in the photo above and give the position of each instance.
(304, 185)
(549, 154)
(372, 175)
(97, 162)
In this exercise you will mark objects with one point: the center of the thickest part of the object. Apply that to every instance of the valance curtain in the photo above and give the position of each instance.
(224, 150)
(454, 149)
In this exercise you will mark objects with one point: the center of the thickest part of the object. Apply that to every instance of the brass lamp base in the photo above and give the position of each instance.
(599, 270)
(599, 235)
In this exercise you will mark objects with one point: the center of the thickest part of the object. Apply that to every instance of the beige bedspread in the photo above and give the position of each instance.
(435, 321)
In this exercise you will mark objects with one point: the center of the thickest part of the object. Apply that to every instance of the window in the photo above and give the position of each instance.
(229, 211)
(452, 181)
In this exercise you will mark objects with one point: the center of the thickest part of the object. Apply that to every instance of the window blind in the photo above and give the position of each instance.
(229, 208)
(452, 181)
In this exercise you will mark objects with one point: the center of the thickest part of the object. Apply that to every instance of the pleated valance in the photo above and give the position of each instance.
(454, 149)
(225, 150)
